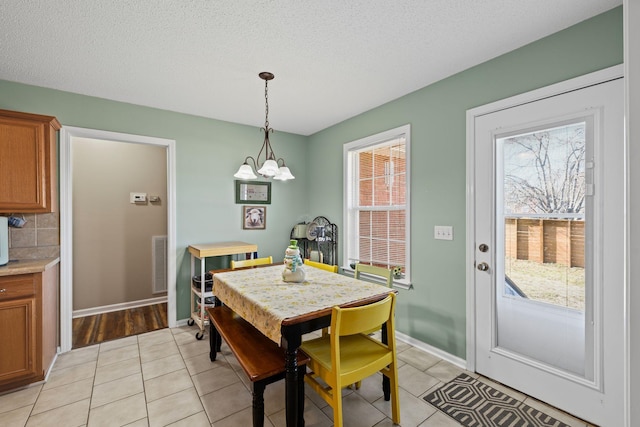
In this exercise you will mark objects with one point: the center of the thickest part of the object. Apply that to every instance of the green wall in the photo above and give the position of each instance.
(435, 311)
(209, 152)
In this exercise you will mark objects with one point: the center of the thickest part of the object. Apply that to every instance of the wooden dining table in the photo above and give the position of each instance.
(285, 311)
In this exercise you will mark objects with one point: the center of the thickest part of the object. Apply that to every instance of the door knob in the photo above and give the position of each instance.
(483, 266)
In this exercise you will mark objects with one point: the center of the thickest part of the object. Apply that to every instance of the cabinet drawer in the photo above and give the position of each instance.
(17, 286)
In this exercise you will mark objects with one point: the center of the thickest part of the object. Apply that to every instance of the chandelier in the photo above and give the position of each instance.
(269, 166)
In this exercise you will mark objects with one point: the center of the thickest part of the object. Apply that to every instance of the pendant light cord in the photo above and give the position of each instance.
(266, 105)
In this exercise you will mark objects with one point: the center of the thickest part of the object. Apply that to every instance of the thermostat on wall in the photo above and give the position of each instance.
(137, 197)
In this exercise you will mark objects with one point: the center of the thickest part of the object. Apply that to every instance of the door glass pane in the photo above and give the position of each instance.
(544, 206)
(541, 206)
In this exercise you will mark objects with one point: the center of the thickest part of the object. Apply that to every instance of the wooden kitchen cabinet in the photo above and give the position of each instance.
(28, 326)
(28, 162)
(17, 357)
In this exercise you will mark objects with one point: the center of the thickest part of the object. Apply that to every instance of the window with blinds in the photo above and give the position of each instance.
(377, 200)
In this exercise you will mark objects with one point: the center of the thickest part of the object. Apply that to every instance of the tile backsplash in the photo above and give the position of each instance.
(38, 238)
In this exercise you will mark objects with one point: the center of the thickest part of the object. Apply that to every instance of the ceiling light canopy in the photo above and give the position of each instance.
(267, 166)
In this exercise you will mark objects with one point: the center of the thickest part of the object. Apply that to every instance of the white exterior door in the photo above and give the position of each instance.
(547, 244)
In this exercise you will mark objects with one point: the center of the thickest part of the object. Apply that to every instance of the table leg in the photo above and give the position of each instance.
(301, 371)
(291, 387)
(294, 377)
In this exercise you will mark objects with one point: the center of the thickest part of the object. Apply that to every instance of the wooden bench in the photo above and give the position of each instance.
(260, 358)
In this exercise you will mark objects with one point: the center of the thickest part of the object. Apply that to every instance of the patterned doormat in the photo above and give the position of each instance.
(475, 404)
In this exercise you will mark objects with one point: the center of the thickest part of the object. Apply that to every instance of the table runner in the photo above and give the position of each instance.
(262, 298)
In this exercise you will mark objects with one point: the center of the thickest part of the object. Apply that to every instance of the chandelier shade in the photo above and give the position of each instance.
(284, 174)
(245, 172)
(269, 168)
(266, 163)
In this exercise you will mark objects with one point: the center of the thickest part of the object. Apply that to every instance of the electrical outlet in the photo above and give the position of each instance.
(443, 232)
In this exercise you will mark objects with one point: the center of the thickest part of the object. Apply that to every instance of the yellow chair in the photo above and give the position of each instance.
(373, 270)
(327, 267)
(348, 356)
(381, 272)
(251, 262)
(331, 268)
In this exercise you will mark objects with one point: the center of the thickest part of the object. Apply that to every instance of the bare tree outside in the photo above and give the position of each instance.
(544, 179)
(546, 171)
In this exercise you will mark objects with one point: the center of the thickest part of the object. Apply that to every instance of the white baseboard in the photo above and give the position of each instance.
(53, 362)
(182, 322)
(459, 362)
(116, 307)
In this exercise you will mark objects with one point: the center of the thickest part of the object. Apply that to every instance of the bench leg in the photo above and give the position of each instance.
(215, 341)
(258, 403)
(218, 342)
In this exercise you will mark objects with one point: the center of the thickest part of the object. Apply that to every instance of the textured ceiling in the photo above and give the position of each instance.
(332, 59)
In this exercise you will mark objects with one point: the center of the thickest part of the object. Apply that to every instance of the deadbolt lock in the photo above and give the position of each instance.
(483, 247)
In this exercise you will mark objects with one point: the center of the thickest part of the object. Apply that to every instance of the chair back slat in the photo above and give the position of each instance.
(373, 270)
(350, 321)
(251, 262)
(327, 267)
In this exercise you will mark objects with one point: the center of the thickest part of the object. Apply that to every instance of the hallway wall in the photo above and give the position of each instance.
(112, 261)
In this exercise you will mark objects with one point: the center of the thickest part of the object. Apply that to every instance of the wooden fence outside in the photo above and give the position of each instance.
(542, 240)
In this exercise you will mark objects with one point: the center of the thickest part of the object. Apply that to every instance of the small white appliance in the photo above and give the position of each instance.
(4, 240)
(300, 231)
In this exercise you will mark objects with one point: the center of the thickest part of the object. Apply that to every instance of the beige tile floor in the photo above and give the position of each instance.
(165, 378)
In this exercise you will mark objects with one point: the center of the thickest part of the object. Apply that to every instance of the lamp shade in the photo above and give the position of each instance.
(245, 172)
(284, 174)
(270, 168)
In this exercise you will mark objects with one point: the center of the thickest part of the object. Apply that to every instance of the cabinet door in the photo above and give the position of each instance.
(17, 335)
(27, 162)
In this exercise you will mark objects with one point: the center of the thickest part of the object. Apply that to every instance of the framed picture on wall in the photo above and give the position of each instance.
(257, 192)
(254, 217)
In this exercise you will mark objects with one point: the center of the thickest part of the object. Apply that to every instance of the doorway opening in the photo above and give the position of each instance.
(67, 223)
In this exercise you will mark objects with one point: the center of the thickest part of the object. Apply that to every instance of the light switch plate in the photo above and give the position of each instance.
(443, 232)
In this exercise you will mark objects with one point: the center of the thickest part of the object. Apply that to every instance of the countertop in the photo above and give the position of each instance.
(26, 266)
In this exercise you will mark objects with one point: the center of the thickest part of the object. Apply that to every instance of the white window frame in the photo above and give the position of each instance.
(349, 151)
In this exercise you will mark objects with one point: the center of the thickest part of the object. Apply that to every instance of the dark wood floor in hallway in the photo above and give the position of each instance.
(102, 327)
